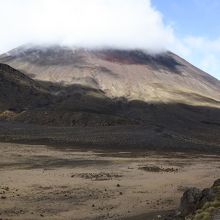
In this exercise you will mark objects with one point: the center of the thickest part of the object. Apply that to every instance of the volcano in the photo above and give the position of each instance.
(130, 74)
(126, 97)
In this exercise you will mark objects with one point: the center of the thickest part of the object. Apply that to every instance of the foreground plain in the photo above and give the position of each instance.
(38, 181)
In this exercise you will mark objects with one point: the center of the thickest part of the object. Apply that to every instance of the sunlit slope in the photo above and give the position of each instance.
(134, 75)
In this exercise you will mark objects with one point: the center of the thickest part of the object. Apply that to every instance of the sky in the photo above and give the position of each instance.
(190, 28)
(197, 25)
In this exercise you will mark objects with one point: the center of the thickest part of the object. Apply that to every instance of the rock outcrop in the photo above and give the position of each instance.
(199, 204)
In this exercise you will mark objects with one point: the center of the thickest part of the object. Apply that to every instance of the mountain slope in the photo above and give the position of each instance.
(19, 92)
(111, 98)
(134, 75)
(26, 100)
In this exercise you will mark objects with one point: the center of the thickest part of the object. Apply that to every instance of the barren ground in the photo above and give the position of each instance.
(41, 182)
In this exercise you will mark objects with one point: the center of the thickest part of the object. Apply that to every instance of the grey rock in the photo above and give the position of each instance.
(190, 201)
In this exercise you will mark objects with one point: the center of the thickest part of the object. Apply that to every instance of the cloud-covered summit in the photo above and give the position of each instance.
(119, 24)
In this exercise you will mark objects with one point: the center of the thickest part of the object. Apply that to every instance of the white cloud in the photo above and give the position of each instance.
(204, 53)
(203, 44)
(97, 23)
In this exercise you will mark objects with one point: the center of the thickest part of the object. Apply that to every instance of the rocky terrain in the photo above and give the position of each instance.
(199, 204)
(44, 182)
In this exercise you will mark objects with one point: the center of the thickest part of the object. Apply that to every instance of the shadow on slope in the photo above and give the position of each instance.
(129, 126)
(86, 117)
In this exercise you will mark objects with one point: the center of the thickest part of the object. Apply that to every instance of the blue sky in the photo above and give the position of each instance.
(196, 24)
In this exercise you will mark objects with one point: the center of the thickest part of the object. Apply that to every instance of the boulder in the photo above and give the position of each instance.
(194, 199)
(190, 201)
